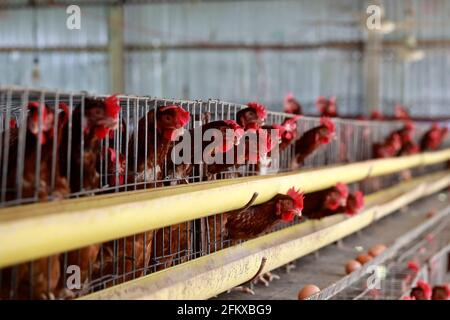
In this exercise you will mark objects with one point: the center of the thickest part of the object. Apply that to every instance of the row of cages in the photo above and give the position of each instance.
(117, 157)
(72, 146)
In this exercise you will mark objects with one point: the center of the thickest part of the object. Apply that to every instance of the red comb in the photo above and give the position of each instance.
(326, 122)
(297, 196)
(112, 106)
(183, 117)
(343, 189)
(260, 109)
(414, 266)
(12, 123)
(425, 288)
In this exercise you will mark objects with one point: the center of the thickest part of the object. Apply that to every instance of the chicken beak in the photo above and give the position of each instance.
(179, 132)
(34, 128)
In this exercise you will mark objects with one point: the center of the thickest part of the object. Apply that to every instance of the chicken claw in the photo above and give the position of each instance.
(266, 278)
(249, 287)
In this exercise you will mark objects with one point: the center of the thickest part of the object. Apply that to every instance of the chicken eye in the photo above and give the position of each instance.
(97, 112)
(167, 118)
(251, 114)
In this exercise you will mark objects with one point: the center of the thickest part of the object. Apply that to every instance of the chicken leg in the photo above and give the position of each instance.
(248, 286)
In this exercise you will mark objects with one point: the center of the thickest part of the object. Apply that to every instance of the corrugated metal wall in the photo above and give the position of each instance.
(423, 85)
(46, 27)
(266, 74)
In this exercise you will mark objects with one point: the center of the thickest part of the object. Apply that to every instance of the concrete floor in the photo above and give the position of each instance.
(327, 265)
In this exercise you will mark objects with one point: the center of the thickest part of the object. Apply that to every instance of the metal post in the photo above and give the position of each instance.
(116, 48)
(372, 71)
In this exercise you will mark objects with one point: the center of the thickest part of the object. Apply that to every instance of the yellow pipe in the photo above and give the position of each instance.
(31, 231)
(210, 275)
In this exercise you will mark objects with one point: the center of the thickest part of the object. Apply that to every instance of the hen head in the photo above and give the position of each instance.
(327, 130)
(336, 197)
(102, 115)
(47, 118)
(290, 205)
(230, 134)
(376, 115)
(255, 113)
(171, 120)
(355, 202)
(441, 292)
(401, 113)
(327, 106)
(291, 105)
(422, 291)
(288, 129)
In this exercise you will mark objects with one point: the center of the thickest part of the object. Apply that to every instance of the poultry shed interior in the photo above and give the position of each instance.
(225, 150)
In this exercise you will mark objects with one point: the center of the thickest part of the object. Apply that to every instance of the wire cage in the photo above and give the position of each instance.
(52, 166)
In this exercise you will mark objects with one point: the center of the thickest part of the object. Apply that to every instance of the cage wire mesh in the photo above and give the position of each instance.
(116, 169)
